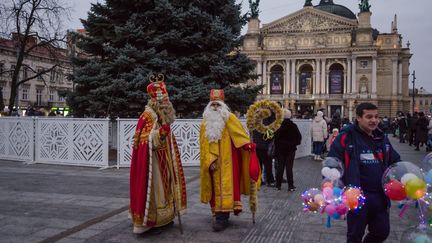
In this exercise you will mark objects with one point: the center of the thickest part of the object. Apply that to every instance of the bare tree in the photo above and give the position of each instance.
(35, 25)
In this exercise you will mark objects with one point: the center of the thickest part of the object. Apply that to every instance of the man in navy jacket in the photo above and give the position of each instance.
(366, 152)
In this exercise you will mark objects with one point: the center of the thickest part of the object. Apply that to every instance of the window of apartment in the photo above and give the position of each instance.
(12, 70)
(39, 97)
(51, 95)
(25, 72)
(40, 77)
(25, 93)
(53, 76)
(60, 76)
(2, 69)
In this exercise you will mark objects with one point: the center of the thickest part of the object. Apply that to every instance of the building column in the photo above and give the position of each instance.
(394, 75)
(354, 75)
(317, 77)
(323, 71)
(293, 76)
(287, 77)
(345, 82)
(327, 83)
(348, 88)
(264, 79)
(374, 76)
(259, 72)
(400, 79)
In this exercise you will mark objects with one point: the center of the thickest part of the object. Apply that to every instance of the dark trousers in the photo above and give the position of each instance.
(285, 162)
(373, 214)
(266, 163)
(222, 217)
(402, 135)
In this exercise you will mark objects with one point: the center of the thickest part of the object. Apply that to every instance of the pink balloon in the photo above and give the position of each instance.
(328, 193)
(330, 209)
(341, 209)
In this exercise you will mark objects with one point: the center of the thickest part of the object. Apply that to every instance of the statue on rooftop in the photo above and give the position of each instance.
(254, 11)
(364, 6)
(308, 3)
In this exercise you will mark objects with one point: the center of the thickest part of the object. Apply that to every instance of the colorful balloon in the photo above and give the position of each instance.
(395, 190)
(407, 177)
(416, 188)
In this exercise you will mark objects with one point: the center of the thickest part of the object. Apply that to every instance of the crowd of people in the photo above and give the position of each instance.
(414, 129)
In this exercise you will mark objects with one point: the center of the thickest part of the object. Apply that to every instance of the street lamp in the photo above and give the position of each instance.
(413, 92)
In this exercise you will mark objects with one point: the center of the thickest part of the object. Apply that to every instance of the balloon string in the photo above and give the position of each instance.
(328, 225)
(404, 208)
(422, 215)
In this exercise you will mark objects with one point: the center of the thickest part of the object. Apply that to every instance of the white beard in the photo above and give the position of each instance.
(215, 121)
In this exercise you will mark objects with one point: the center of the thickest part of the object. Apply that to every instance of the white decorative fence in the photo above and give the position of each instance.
(81, 142)
(186, 132)
(86, 142)
(17, 139)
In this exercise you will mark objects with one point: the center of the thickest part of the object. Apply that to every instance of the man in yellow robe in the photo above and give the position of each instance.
(157, 183)
(225, 151)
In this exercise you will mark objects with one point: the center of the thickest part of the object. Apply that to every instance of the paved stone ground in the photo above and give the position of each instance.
(48, 203)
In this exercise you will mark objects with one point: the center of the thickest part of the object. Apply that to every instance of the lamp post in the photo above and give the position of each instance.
(413, 92)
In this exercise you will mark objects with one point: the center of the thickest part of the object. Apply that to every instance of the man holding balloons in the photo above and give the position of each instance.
(366, 152)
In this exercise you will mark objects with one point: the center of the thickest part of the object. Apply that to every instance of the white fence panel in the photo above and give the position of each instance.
(186, 132)
(72, 141)
(125, 131)
(305, 148)
(17, 138)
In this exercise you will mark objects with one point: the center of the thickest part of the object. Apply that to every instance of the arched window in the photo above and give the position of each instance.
(336, 79)
(276, 79)
(305, 79)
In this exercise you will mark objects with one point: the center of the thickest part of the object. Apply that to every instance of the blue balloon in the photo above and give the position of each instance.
(428, 177)
(336, 216)
(337, 191)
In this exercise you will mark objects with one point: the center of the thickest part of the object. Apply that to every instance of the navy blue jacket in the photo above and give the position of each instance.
(365, 158)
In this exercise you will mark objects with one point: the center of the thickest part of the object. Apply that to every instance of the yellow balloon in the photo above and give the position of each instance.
(415, 188)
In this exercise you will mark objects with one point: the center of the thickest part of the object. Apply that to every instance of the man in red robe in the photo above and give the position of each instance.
(157, 183)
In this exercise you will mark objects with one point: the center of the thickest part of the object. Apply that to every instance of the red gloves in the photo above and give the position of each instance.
(164, 130)
(249, 147)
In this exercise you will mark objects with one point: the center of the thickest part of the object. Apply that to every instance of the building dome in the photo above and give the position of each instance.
(330, 7)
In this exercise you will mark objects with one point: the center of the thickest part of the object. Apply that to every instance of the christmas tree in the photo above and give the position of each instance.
(193, 43)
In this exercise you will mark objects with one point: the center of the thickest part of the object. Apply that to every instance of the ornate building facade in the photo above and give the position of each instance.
(42, 91)
(324, 57)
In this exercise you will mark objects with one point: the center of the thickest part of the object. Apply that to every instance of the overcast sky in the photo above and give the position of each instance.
(414, 23)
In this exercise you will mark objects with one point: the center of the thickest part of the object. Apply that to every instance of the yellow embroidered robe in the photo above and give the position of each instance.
(220, 183)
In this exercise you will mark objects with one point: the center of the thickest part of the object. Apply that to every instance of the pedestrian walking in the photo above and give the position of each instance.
(366, 152)
(421, 131)
(319, 134)
(287, 137)
(226, 169)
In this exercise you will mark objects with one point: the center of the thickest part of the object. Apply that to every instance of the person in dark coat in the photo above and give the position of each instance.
(403, 127)
(412, 121)
(265, 160)
(287, 137)
(421, 130)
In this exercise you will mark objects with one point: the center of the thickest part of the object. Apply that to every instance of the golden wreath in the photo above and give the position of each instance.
(258, 112)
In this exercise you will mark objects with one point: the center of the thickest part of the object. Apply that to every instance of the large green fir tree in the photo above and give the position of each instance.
(191, 41)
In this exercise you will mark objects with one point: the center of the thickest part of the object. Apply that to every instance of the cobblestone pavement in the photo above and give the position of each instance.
(48, 203)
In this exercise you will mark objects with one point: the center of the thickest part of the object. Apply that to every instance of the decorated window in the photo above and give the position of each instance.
(276, 80)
